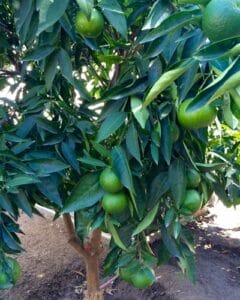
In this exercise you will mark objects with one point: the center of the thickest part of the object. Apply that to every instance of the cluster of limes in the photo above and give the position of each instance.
(10, 272)
(140, 278)
(89, 26)
(192, 200)
(115, 199)
(220, 21)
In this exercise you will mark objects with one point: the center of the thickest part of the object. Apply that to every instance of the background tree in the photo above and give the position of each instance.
(110, 100)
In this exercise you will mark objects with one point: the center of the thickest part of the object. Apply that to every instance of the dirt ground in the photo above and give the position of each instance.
(53, 271)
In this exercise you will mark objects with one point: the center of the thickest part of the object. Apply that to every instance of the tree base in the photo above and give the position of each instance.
(95, 296)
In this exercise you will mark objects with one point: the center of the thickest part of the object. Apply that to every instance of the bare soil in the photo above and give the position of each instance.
(53, 271)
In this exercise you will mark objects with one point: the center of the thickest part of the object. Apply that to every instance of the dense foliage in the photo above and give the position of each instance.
(82, 105)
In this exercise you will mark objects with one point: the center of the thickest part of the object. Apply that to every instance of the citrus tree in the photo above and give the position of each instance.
(116, 124)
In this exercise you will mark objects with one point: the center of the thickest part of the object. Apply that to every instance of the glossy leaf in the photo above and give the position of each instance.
(110, 125)
(177, 179)
(122, 169)
(133, 143)
(50, 12)
(140, 113)
(147, 221)
(87, 193)
(113, 12)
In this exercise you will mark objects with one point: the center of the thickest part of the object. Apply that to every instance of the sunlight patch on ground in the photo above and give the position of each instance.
(227, 219)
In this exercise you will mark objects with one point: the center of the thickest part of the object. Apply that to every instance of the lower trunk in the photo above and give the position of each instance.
(91, 253)
(93, 285)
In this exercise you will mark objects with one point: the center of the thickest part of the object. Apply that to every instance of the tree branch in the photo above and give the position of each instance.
(9, 73)
(73, 239)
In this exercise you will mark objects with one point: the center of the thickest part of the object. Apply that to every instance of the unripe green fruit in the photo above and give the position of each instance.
(125, 274)
(140, 279)
(114, 203)
(199, 118)
(192, 202)
(109, 181)
(92, 27)
(221, 19)
(193, 178)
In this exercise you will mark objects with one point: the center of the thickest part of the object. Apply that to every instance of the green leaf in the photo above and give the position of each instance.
(218, 50)
(158, 187)
(115, 236)
(47, 166)
(155, 153)
(228, 80)
(87, 193)
(22, 202)
(110, 125)
(22, 13)
(169, 217)
(50, 69)
(177, 179)
(86, 6)
(140, 113)
(19, 148)
(88, 160)
(158, 13)
(165, 81)
(65, 65)
(49, 189)
(147, 221)
(70, 156)
(211, 166)
(26, 126)
(50, 12)
(39, 53)
(188, 266)
(9, 240)
(21, 180)
(122, 169)
(176, 229)
(83, 220)
(163, 254)
(166, 140)
(133, 143)
(113, 12)
(5, 203)
(172, 23)
(229, 118)
(170, 243)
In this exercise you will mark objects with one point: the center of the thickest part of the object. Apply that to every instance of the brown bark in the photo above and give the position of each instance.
(90, 252)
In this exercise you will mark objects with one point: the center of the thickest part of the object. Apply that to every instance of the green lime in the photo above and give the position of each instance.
(192, 202)
(143, 278)
(92, 27)
(109, 181)
(193, 178)
(125, 274)
(221, 19)
(199, 118)
(114, 203)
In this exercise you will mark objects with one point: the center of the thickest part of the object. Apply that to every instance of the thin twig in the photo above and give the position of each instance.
(10, 73)
(105, 284)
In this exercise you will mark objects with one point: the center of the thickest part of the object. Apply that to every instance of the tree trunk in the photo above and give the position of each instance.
(93, 284)
(91, 254)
